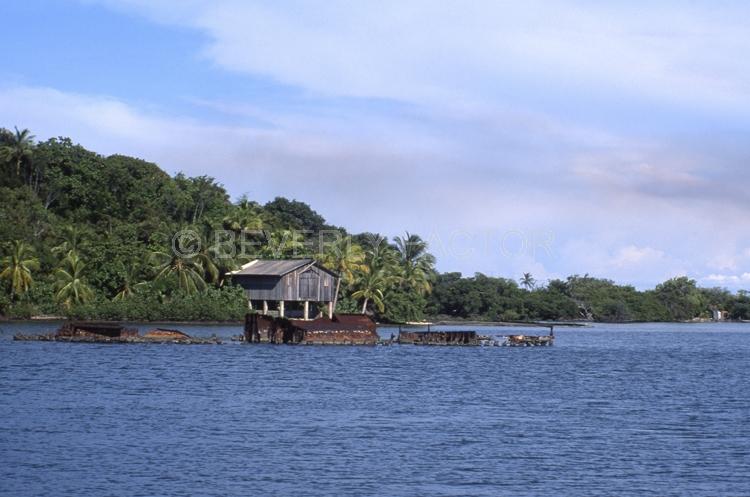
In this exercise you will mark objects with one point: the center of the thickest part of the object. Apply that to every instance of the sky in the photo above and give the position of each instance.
(551, 137)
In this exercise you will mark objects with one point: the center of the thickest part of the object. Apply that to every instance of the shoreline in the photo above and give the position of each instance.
(436, 322)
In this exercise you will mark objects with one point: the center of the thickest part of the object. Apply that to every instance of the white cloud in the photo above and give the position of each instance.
(732, 280)
(438, 52)
(634, 256)
(724, 261)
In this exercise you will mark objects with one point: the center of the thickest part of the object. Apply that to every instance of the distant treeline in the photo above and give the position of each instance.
(579, 297)
(89, 236)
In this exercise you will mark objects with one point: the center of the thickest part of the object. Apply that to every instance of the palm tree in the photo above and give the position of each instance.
(528, 281)
(71, 284)
(17, 267)
(74, 239)
(244, 217)
(345, 259)
(284, 243)
(19, 149)
(216, 262)
(216, 255)
(131, 283)
(370, 286)
(381, 255)
(187, 271)
(418, 265)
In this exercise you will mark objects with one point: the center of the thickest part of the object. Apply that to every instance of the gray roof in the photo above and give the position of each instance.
(271, 267)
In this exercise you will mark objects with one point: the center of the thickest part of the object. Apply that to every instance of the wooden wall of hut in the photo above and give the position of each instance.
(308, 284)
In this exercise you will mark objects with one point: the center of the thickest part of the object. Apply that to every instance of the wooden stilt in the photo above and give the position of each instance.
(330, 310)
(307, 309)
(265, 307)
(281, 308)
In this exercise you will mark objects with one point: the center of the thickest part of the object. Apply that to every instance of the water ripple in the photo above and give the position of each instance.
(621, 410)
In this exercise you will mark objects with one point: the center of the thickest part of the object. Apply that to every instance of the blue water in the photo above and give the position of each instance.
(609, 410)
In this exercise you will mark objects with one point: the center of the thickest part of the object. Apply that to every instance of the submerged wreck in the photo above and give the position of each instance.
(340, 329)
(443, 337)
(95, 332)
(529, 340)
(440, 337)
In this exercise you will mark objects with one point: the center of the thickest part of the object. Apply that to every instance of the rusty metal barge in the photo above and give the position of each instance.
(340, 329)
(471, 337)
(357, 329)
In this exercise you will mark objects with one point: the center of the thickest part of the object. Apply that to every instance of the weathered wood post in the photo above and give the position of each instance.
(265, 307)
(307, 309)
(330, 310)
(281, 308)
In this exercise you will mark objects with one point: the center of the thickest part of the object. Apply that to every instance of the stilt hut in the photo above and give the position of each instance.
(277, 282)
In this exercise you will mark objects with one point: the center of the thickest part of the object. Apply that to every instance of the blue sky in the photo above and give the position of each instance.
(555, 137)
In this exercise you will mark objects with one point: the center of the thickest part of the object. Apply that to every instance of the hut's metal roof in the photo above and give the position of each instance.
(271, 267)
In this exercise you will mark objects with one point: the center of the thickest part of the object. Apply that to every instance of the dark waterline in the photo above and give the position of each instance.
(648, 409)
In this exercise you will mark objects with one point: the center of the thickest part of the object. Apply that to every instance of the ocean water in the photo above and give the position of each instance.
(647, 409)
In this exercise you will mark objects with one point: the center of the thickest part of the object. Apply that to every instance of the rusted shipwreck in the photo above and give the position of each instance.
(532, 340)
(430, 337)
(529, 340)
(340, 329)
(470, 337)
(98, 332)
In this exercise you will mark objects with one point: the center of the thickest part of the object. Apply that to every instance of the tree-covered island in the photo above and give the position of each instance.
(94, 237)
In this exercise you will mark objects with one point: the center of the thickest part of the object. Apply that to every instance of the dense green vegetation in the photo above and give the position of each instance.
(89, 236)
(579, 297)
